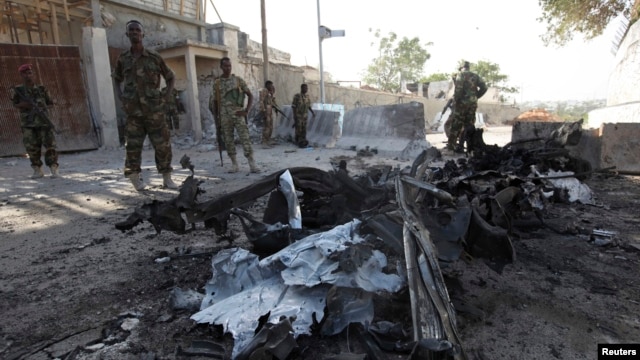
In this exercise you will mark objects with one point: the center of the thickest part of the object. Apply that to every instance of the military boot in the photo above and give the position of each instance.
(234, 164)
(167, 182)
(54, 171)
(137, 182)
(252, 165)
(37, 172)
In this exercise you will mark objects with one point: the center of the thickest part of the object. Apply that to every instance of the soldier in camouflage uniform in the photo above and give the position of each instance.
(469, 88)
(140, 69)
(267, 106)
(227, 105)
(171, 110)
(37, 131)
(301, 105)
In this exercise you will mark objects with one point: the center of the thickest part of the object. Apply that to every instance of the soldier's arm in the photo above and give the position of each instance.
(17, 100)
(482, 87)
(47, 97)
(294, 105)
(249, 100)
(118, 77)
(169, 78)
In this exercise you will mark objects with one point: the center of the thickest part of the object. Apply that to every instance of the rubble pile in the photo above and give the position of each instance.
(331, 245)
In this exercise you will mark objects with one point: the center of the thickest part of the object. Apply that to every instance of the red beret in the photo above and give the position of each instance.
(25, 67)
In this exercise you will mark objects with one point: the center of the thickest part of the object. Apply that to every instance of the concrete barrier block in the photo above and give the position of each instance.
(524, 131)
(396, 130)
(620, 144)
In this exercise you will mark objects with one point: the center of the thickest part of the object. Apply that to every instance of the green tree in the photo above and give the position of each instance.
(397, 60)
(564, 18)
(435, 77)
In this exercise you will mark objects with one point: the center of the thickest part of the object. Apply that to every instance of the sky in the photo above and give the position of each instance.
(505, 32)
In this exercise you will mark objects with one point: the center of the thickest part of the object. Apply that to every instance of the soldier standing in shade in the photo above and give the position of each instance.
(227, 104)
(140, 69)
(469, 88)
(301, 105)
(171, 110)
(267, 105)
(37, 131)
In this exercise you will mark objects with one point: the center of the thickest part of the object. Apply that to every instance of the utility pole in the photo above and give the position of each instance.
(324, 33)
(321, 69)
(265, 47)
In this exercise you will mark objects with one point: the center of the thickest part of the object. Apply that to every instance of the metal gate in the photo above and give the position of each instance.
(59, 69)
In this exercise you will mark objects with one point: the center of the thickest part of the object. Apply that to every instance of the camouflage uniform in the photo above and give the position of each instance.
(36, 130)
(143, 103)
(267, 104)
(171, 110)
(229, 92)
(469, 87)
(301, 105)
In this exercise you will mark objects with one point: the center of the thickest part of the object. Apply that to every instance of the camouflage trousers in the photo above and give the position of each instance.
(137, 129)
(173, 120)
(267, 129)
(229, 123)
(34, 138)
(463, 115)
(301, 131)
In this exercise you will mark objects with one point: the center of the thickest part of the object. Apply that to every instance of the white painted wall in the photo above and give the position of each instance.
(623, 94)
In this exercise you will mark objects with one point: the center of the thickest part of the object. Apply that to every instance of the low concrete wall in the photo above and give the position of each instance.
(323, 130)
(390, 130)
(620, 144)
(623, 113)
(610, 145)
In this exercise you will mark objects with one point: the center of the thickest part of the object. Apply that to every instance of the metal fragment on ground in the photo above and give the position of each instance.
(293, 282)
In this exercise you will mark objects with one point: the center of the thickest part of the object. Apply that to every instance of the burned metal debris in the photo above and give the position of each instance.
(330, 243)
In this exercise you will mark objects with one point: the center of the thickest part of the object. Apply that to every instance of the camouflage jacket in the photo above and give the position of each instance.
(229, 94)
(40, 96)
(267, 100)
(469, 88)
(141, 94)
(301, 105)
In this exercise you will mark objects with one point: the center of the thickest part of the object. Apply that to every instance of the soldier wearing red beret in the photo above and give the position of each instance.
(33, 101)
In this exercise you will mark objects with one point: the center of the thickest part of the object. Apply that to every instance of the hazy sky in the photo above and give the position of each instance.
(505, 32)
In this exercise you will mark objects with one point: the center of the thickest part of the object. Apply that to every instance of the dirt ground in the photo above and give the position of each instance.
(74, 287)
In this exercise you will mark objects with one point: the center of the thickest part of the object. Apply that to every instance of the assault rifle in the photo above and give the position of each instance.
(449, 104)
(218, 121)
(35, 109)
(277, 109)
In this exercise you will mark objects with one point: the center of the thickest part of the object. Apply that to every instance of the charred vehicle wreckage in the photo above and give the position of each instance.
(331, 247)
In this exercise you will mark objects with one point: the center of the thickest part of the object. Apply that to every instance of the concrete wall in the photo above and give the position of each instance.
(623, 96)
(625, 77)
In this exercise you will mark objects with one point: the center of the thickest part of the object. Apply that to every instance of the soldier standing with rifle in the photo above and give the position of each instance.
(469, 88)
(301, 105)
(227, 105)
(267, 106)
(37, 130)
(140, 69)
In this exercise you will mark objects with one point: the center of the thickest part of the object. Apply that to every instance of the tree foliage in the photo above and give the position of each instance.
(490, 73)
(397, 60)
(564, 18)
(436, 77)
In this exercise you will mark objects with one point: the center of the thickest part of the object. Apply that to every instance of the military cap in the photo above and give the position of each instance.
(25, 67)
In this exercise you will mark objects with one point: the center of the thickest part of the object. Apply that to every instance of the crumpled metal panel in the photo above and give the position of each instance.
(287, 188)
(292, 283)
